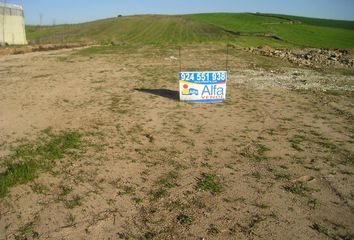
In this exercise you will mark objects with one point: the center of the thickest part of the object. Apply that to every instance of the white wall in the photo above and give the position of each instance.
(14, 30)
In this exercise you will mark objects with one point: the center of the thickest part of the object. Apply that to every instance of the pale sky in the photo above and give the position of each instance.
(65, 11)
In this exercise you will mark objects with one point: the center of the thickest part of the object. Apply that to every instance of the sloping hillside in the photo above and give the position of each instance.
(243, 29)
(317, 21)
(297, 31)
(134, 29)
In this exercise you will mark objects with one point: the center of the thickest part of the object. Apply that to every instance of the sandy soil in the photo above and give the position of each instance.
(281, 148)
(39, 48)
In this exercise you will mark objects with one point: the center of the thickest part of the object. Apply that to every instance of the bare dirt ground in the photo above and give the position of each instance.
(273, 162)
(39, 48)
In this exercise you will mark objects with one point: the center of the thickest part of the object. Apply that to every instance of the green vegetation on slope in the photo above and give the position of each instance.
(316, 21)
(294, 33)
(148, 29)
(242, 29)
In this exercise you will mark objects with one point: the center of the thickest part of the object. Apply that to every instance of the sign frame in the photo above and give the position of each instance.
(203, 86)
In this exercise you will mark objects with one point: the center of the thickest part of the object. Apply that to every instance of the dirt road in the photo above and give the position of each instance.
(273, 162)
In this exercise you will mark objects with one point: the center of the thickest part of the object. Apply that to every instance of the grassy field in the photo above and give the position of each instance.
(94, 144)
(135, 29)
(317, 21)
(287, 31)
(242, 29)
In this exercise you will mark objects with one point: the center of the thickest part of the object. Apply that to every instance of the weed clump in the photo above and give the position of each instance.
(209, 182)
(184, 219)
(320, 229)
(297, 188)
(213, 230)
(22, 166)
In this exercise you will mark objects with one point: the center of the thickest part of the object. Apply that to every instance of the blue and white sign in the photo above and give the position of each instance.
(203, 86)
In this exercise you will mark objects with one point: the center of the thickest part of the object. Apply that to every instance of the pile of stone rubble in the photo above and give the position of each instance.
(293, 79)
(309, 57)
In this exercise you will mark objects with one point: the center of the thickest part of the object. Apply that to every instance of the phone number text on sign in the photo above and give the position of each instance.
(203, 77)
(203, 86)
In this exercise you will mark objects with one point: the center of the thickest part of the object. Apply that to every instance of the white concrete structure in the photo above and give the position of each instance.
(12, 25)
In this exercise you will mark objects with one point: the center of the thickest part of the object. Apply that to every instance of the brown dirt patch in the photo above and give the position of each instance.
(273, 162)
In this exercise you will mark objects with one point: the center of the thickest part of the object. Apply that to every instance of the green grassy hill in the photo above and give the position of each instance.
(316, 21)
(148, 29)
(286, 30)
(242, 29)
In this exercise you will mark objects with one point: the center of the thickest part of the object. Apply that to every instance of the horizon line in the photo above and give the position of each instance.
(182, 14)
